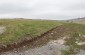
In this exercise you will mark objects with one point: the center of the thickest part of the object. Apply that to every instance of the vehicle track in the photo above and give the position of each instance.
(54, 33)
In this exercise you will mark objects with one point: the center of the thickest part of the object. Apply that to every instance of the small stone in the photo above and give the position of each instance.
(15, 51)
(51, 33)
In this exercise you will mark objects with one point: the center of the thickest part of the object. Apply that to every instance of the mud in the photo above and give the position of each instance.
(53, 47)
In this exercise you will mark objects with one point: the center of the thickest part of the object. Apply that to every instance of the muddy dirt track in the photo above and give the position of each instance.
(52, 34)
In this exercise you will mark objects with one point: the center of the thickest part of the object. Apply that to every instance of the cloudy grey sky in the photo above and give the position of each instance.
(42, 9)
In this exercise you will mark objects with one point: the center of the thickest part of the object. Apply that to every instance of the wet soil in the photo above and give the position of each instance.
(51, 48)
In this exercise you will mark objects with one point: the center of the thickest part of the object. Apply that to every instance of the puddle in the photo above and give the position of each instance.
(53, 47)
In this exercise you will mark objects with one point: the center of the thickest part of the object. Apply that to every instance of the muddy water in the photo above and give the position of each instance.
(53, 47)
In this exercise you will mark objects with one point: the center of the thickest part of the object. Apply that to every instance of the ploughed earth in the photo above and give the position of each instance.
(55, 42)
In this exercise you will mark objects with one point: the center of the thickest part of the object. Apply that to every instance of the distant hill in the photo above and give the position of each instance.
(76, 20)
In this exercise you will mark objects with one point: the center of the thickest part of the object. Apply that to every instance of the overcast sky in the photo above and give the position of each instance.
(42, 9)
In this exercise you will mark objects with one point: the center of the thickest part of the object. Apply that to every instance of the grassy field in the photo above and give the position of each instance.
(80, 28)
(17, 28)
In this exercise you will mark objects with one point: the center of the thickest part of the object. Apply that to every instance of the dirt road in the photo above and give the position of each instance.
(53, 47)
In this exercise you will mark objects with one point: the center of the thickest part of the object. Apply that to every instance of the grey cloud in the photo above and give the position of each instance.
(76, 7)
(57, 16)
(9, 8)
(45, 9)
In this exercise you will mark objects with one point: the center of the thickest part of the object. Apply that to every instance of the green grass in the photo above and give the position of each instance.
(80, 28)
(18, 28)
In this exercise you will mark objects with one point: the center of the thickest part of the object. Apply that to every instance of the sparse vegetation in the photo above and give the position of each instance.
(74, 36)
